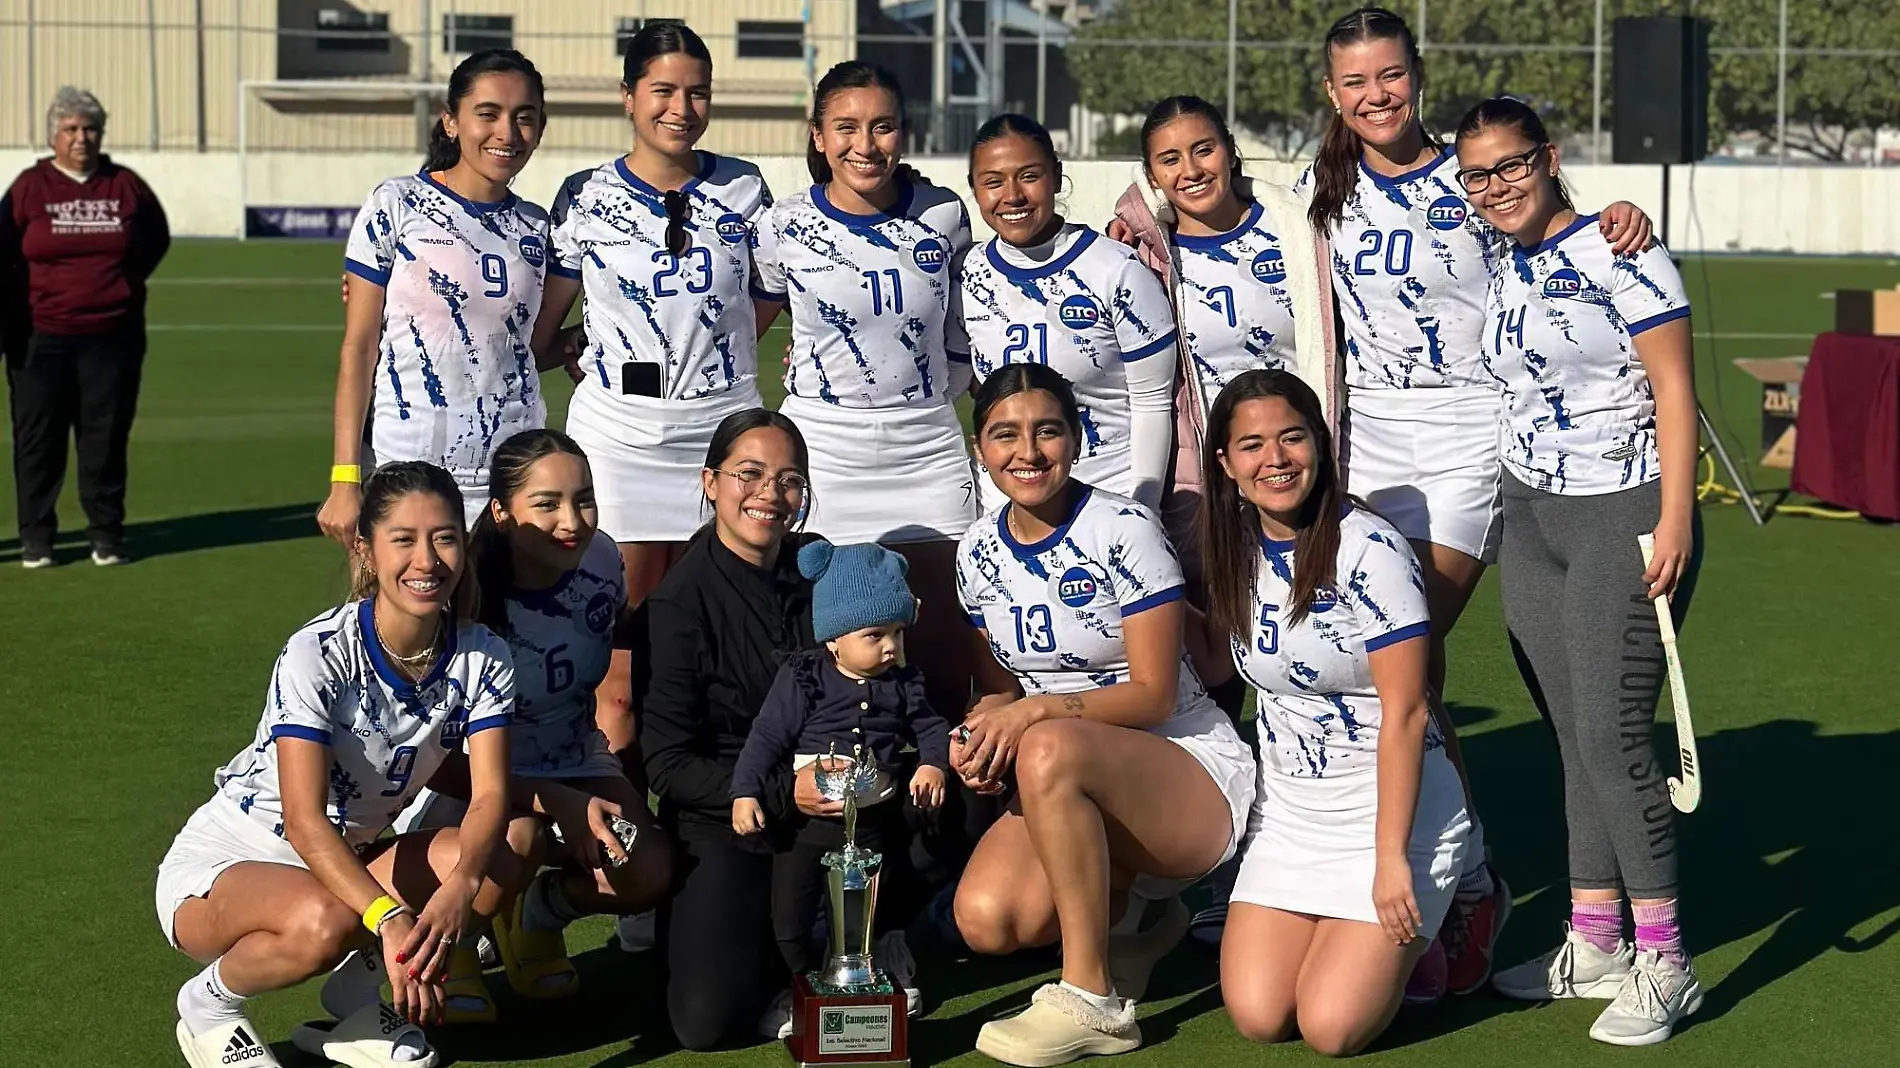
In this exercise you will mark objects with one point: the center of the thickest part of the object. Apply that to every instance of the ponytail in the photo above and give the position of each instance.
(1336, 167)
(443, 151)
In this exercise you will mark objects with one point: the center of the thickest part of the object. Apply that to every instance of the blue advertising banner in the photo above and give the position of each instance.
(331, 224)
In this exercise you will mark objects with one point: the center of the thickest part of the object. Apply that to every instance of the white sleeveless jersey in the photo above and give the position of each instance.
(333, 684)
(869, 295)
(1086, 312)
(562, 641)
(1579, 417)
(1236, 312)
(1053, 610)
(691, 314)
(454, 376)
(1318, 712)
(1411, 258)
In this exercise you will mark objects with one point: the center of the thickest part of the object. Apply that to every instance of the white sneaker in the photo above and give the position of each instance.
(892, 953)
(1575, 969)
(777, 1021)
(1655, 994)
(637, 934)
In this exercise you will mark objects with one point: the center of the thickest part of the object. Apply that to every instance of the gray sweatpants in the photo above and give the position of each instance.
(1585, 638)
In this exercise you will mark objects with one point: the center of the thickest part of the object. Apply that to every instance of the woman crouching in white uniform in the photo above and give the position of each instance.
(660, 242)
(1124, 768)
(283, 873)
(863, 259)
(1359, 829)
(1059, 294)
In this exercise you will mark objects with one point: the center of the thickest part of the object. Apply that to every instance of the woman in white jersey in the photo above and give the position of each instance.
(552, 590)
(1124, 770)
(444, 273)
(660, 242)
(1410, 265)
(863, 261)
(1359, 827)
(1593, 350)
(284, 872)
(1056, 293)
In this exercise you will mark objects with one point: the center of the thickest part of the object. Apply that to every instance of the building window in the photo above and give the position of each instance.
(625, 28)
(345, 30)
(476, 33)
(771, 40)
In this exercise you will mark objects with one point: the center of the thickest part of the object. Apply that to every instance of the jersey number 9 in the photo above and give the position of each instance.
(495, 273)
(402, 764)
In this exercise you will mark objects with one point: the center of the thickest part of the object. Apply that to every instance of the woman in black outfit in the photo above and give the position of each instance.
(719, 625)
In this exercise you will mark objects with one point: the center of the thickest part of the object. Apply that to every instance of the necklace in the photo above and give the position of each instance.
(415, 659)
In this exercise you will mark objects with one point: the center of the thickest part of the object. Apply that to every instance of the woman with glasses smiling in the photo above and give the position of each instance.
(1599, 447)
(660, 241)
(718, 627)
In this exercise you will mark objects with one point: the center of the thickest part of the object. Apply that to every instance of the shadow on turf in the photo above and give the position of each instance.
(191, 533)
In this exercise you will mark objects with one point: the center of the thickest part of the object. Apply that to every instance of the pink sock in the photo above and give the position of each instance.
(1656, 929)
(1599, 922)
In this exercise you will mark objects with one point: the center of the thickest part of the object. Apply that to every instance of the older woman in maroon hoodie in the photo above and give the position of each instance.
(80, 235)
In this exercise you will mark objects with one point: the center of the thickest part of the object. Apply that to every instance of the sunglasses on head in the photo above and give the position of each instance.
(679, 208)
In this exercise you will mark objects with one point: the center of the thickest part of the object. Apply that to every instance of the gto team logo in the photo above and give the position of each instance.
(929, 255)
(1446, 213)
(731, 228)
(1079, 312)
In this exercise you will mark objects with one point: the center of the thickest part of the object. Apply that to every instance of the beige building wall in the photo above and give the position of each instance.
(172, 83)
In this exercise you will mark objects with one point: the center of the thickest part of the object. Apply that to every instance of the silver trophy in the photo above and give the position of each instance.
(851, 877)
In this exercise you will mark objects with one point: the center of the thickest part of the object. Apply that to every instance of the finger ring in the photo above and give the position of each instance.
(447, 941)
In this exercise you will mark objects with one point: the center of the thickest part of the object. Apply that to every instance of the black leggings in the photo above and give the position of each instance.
(716, 931)
(798, 879)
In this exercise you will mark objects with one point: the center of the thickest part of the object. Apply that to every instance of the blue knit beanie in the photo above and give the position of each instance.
(855, 586)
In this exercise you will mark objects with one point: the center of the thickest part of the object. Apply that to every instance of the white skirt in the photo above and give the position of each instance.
(1312, 847)
(215, 838)
(890, 475)
(1427, 460)
(1114, 472)
(647, 455)
(1229, 761)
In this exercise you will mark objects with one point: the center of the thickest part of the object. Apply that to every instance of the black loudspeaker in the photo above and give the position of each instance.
(1660, 78)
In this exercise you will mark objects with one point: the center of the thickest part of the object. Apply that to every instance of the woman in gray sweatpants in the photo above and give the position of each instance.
(1599, 436)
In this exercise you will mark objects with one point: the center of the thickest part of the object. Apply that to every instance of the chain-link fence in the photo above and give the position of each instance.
(1800, 80)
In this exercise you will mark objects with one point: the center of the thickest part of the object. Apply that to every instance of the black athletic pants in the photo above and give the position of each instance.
(85, 385)
(799, 879)
(716, 931)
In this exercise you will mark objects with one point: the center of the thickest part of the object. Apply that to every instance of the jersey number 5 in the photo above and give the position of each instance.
(1269, 640)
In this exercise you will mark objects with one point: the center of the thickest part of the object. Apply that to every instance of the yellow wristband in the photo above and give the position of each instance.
(346, 473)
(379, 911)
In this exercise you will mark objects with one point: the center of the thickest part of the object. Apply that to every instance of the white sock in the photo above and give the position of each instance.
(1108, 1002)
(354, 983)
(1130, 923)
(205, 1002)
(544, 905)
(410, 1047)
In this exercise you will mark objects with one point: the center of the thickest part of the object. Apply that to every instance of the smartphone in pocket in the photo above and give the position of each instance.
(638, 379)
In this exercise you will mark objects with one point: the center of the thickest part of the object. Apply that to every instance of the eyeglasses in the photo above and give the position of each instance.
(679, 208)
(790, 482)
(1511, 169)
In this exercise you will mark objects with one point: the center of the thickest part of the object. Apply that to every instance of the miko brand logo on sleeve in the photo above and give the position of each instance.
(1446, 213)
(929, 255)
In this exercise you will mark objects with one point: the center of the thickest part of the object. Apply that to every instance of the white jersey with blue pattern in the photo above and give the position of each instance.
(1579, 417)
(691, 314)
(1410, 259)
(1236, 312)
(454, 376)
(869, 295)
(561, 639)
(333, 684)
(1053, 610)
(1086, 312)
(1318, 713)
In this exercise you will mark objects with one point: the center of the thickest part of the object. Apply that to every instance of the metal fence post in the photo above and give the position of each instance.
(1233, 44)
(1781, 89)
(32, 70)
(1596, 89)
(151, 63)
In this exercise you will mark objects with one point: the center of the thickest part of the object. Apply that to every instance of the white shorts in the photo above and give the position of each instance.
(1312, 846)
(216, 837)
(891, 475)
(1114, 472)
(1427, 460)
(1227, 758)
(647, 455)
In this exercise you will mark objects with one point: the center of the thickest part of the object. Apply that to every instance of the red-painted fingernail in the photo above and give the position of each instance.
(401, 957)
(412, 974)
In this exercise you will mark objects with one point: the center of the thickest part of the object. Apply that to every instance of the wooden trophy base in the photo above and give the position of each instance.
(848, 1030)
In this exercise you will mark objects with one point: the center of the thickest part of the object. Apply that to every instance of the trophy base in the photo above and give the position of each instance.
(838, 1029)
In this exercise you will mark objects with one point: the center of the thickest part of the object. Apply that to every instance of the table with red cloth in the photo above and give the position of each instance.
(1847, 436)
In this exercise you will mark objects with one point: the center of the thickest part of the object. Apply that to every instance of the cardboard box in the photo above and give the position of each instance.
(1867, 311)
(1780, 380)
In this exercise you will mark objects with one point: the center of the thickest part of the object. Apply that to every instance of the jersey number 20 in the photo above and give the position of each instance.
(1398, 252)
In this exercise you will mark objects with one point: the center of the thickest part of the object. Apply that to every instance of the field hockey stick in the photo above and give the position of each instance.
(1685, 793)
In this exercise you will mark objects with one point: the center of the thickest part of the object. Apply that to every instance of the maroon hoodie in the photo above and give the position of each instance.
(87, 247)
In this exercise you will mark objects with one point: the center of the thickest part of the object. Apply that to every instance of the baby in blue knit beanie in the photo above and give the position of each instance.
(857, 691)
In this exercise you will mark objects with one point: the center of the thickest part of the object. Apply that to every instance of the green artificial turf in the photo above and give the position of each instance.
(125, 688)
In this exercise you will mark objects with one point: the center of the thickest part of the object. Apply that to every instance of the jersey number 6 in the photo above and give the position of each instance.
(560, 671)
